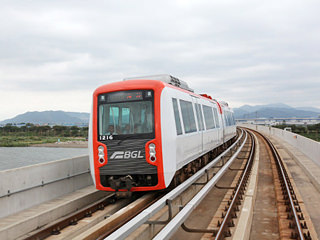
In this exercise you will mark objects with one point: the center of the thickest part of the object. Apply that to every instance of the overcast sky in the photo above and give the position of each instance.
(53, 54)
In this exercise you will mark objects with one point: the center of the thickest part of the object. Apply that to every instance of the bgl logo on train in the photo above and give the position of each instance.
(126, 155)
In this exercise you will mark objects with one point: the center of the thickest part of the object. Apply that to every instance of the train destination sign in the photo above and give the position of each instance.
(124, 96)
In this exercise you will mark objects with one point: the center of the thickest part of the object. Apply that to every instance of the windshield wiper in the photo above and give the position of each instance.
(125, 138)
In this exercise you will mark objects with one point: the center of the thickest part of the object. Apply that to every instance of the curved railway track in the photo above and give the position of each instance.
(164, 215)
(291, 219)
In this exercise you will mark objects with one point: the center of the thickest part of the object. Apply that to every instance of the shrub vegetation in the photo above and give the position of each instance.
(309, 131)
(28, 134)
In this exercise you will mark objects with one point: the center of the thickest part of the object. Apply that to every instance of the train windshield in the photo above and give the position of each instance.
(126, 113)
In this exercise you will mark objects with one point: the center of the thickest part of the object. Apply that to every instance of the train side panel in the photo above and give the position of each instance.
(229, 123)
(179, 150)
(168, 133)
(212, 138)
(188, 143)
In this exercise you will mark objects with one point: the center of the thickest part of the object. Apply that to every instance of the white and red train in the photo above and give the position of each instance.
(144, 130)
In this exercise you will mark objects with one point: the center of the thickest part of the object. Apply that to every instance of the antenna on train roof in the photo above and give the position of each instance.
(164, 78)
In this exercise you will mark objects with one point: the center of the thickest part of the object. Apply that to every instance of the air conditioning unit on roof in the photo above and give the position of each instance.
(164, 78)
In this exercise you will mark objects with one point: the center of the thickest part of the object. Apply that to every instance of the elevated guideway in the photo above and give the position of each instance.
(33, 196)
(38, 194)
(28, 186)
(305, 151)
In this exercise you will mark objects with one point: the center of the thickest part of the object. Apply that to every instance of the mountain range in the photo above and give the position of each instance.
(278, 110)
(51, 118)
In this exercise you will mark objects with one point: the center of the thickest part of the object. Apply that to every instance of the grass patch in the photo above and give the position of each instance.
(25, 141)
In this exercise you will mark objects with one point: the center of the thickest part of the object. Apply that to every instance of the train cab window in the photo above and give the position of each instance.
(208, 117)
(177, 116)
(199, 117)
(189, 121)
(126, 113)
(216, 117)
(114, 116)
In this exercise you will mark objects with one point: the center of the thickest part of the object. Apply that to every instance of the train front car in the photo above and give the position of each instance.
(125, 136)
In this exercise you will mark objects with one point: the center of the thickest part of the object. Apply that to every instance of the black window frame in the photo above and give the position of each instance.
(208, 115)
(177, 119)
(103, 138)
(188, 116)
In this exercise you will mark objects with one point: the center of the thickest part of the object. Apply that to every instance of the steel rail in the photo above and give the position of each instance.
(142, 217)
(70, 219)
(221, 231)
(180, 218)
(283, 175)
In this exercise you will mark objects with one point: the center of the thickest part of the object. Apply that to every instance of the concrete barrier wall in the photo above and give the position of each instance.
(25, 187)
(308, 146)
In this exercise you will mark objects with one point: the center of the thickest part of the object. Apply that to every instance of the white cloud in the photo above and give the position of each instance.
(245, 52)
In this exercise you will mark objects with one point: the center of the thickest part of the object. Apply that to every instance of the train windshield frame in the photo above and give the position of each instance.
(126, 114)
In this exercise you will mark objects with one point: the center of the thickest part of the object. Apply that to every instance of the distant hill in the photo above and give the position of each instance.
(50, 117)
(278, 110)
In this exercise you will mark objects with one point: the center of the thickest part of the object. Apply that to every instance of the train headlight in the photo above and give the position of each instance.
(101, 154)
(152, 152)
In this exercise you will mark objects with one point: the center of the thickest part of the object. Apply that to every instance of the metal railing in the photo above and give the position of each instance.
(143, 217)
(180, 218)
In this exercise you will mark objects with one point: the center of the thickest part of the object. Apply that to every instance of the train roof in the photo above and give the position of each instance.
(170, 80)
(164, 78)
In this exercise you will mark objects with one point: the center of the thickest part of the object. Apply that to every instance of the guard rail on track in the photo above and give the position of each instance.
(179, 219)
(289, 191)
(143, 217)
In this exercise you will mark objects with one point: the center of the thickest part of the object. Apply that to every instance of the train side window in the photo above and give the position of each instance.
(216, 117)
(177, 116)
(199, 117)
(234, 120)
(208, 117)
(189, 121)
(227, 119)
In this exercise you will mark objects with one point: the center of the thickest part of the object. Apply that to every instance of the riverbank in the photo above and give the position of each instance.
(42, 141)
(68, 144)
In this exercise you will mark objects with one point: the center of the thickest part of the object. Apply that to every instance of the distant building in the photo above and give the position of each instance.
(278, 121)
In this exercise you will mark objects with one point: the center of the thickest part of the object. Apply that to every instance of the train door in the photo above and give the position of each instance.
(224, 127)
(222, 121)
(200, 122)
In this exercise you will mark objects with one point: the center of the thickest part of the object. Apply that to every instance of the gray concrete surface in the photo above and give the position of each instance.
(307, 146)
(299, 146)
(244, 224)
(19, 179)
(23, 222)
